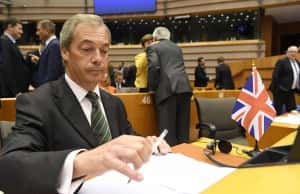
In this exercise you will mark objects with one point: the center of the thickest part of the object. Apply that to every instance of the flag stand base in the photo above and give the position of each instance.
(254, 152)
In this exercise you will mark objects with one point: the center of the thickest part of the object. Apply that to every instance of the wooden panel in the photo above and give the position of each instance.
(141, 112)
(7, 109)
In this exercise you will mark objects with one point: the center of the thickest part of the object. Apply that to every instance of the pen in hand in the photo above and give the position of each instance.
(156, 143)
(159, 140)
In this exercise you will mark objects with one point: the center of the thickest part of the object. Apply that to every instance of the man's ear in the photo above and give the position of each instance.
(64, 53)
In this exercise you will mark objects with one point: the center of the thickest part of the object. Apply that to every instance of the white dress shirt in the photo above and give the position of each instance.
(65, 185)
(296, 73)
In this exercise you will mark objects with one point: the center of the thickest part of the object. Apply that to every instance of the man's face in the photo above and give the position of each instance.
(16, 31)
(87, 57)
(119, 79)
(148, 43)
(292, 52)
(42, 33)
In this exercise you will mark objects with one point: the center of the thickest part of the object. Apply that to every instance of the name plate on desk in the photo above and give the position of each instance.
(172, 173)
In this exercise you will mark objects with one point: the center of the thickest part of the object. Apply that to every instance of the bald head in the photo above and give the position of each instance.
(292, 52)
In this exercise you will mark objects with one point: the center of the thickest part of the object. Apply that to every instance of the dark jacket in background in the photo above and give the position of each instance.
(281, 86)
(129, 75)
(168, 79)
(201, 78)
(14, 72)
(223, 77)
(50, 66)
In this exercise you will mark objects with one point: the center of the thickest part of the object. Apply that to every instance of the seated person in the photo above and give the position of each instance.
(57, 139)
(119, 80)
(105, 84)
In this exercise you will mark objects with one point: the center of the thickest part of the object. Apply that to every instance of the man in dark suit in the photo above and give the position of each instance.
(168, 79)
(285, 81)
(55, 141)
(14, 73)
(49, 65)
(223, 75)
(200, 73)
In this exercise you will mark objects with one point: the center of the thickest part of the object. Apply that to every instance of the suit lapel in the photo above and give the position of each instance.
(15, 47)
(68, 104)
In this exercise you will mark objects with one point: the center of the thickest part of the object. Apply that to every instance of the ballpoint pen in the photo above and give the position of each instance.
(156, 143)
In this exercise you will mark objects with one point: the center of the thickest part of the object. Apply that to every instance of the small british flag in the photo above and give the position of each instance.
(254, 109)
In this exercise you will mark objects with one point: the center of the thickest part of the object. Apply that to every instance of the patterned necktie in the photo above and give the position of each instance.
(99, 124)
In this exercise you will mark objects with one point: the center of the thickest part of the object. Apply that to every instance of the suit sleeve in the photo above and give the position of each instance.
(153, 68)
(217, 81)
(27, 166)
(54, 61)
(8, 65)
(276, 74)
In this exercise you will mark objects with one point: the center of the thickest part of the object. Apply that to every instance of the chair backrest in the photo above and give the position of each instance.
(217, 111)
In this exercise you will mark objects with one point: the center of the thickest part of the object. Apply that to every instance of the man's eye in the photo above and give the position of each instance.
(87, 49)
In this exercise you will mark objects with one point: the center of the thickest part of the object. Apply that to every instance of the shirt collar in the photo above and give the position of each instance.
(49, 40)
(79, 92)
(10, 37)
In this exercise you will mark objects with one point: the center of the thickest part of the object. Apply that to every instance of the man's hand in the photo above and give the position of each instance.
(163, 147)
(115, 155)
(34, 59)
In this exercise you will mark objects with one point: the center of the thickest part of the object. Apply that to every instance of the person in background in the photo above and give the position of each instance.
(15, 74)
(223, 75)
(286, 81)
(200, 74)
(129, 75)
(168, 79)
(49, 65)
(119, 80)
(141, 63)
(67, 130)
(105, 84)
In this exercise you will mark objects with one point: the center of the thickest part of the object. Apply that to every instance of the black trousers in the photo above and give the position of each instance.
(286, 98)
(174, 115)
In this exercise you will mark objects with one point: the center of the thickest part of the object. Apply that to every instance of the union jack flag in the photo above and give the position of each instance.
(254, 109)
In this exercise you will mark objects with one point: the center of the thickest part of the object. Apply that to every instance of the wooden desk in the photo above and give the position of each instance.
(275, 132)
(197, 153)
(275, 179)
(141, 112)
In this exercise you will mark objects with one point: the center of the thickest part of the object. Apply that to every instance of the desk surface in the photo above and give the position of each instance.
(265, 180)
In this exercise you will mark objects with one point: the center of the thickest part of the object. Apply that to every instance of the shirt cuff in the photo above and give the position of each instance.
(65, 184)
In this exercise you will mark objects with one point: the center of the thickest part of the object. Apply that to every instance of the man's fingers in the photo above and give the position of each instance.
(124, 168)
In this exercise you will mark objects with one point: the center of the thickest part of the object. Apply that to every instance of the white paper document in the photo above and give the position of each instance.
(172, 173)
(289, 118)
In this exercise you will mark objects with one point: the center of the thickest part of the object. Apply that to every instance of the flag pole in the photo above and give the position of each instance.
(255, 150)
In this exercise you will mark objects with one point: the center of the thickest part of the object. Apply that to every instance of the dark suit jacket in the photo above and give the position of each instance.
(50, 66)
(129, 74)
(200, 77)
(14, 73)
(50, 123)
(223, 77)
(282, 78)
(166, 71)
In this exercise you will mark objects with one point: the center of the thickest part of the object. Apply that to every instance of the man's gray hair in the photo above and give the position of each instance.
(161, 33)
(67, 32)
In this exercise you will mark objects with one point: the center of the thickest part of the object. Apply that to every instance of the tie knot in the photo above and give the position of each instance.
(93, 97)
